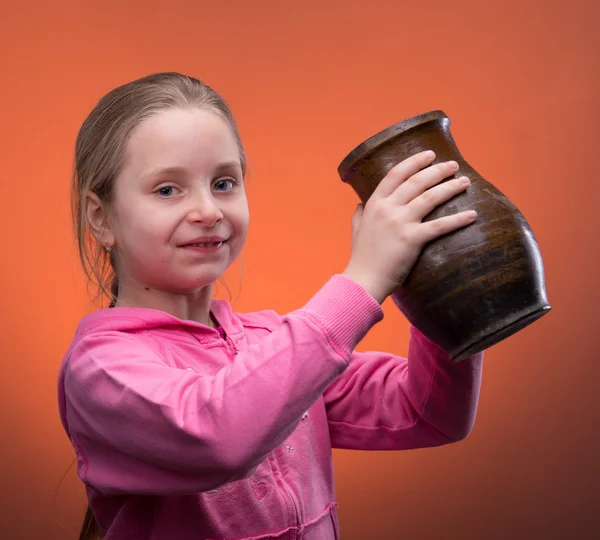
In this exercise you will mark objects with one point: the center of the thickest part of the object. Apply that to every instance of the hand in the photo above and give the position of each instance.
(388, 233)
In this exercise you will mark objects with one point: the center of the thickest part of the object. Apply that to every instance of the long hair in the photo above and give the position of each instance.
(90, 529)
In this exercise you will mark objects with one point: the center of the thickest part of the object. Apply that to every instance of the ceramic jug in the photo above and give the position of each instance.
(476, 286)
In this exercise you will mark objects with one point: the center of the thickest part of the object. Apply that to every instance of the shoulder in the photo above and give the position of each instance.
(117, 331)
(111, 350)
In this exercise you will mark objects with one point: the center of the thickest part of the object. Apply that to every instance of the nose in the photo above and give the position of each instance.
(205, 209)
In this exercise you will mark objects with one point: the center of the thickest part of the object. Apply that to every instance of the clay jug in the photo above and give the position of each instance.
(474, 287)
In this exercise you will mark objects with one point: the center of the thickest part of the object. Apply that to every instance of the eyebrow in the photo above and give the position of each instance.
(227, 166)
(219, 169)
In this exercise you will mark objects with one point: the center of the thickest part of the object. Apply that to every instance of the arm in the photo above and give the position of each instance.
(141, 426)
(385, 402)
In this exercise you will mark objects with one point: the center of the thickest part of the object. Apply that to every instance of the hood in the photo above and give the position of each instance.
(131, 319)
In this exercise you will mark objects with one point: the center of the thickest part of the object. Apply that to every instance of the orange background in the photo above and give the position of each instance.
(308, 81)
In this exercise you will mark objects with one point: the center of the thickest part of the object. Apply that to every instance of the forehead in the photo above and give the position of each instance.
(190, 138)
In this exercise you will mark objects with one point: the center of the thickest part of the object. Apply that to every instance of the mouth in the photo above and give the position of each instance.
(205, 245)
(204, 241)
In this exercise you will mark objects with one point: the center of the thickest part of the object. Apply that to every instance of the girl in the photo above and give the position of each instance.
(190, 421)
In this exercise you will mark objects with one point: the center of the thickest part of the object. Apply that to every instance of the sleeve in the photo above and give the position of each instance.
(386, 402)
(141, 426)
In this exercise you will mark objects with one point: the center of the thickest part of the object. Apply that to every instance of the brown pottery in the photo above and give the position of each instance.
(474, 287)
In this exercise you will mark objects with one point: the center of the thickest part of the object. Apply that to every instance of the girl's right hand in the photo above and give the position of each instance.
(388, 233)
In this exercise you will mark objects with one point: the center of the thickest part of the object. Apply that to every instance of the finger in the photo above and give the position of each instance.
(402, 171)
(430, 230)
(423, 180)
(422, 205)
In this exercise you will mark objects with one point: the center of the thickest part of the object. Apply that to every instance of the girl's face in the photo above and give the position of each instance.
(179, 216)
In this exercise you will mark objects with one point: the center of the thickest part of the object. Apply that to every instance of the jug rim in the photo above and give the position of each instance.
(347, 164)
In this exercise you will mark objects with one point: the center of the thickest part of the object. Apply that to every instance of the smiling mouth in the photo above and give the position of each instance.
(206, 244)
(205, 247)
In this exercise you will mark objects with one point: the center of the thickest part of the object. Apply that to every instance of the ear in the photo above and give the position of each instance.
(96, 215)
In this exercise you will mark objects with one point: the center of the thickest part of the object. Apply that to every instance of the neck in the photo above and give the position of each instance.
(193, 306)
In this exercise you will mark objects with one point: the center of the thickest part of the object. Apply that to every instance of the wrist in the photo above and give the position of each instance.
(372, 286)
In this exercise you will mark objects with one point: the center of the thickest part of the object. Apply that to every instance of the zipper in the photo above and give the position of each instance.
(228, 341)
(289, 494)
(286, 488)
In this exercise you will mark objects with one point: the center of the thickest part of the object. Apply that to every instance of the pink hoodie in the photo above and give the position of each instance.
(183, 432)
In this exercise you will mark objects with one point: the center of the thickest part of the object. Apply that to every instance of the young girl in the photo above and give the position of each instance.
(190, 421)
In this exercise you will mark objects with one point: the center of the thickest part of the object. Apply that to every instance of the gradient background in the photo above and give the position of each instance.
(308, 81)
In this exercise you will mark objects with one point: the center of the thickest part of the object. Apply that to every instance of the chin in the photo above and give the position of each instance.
(183, 289)
(193, 284)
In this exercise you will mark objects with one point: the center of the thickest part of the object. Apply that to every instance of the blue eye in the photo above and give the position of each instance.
(221, 185)
(166, 191)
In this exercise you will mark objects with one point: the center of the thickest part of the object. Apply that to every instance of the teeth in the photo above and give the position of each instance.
(207, 244)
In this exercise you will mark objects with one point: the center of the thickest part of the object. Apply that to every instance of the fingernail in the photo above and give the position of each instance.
(471, 214)
(464, 180)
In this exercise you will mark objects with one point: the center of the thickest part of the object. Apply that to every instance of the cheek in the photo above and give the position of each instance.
(140, 235)
(243, 225)
(242, 220)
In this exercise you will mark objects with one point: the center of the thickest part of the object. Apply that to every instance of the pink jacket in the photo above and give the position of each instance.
(182, 432)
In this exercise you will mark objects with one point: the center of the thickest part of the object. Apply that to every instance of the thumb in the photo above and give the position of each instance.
(356, 218)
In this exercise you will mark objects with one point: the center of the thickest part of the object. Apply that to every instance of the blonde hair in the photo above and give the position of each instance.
(100, 150)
